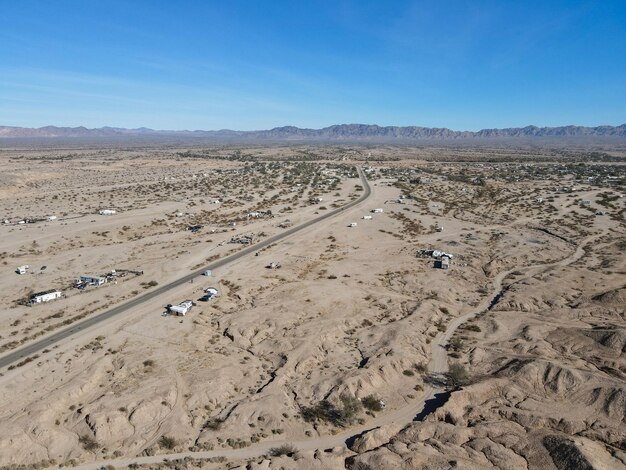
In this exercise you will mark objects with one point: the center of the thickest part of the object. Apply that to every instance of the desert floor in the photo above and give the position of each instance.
(522, 339)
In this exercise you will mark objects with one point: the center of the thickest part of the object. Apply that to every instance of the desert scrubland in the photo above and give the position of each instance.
(359, 351)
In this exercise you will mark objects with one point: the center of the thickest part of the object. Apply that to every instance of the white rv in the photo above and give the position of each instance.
(45, 296)
(22, 269)
(181, 309)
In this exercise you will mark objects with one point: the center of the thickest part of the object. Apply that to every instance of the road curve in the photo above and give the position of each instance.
(54, 338)
(438, 365)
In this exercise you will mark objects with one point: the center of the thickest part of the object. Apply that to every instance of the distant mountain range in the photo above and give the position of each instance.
(340, 132)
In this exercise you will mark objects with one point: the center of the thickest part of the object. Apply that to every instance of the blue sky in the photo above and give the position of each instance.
(260, 64)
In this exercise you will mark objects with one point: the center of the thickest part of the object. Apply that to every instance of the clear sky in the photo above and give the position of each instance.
(248, 65)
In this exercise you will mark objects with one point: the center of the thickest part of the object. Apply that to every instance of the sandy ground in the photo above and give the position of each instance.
(352, 312)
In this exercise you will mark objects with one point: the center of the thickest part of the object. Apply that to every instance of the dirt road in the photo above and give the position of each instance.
(54, 338)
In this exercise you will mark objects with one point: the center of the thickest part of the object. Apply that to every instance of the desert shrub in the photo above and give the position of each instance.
(148, 363)
(372, 403)
(285, 449)
(167, 442)
(456, 344)
(213, 423)
(325, 411)
(457, 376)
(351, 408)
(88, 443)
(475, 328)
(153, 283)
(408, 372)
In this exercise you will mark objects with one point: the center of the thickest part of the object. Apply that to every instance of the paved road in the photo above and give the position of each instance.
(437, 366)
(54, 338)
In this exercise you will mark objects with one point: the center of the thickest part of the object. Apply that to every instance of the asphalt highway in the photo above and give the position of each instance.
(61, 335)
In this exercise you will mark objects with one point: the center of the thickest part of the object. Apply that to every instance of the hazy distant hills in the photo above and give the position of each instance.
(341, 132)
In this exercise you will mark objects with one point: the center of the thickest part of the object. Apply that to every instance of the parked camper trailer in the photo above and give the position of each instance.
(45, 296)
(367, 217)
(377, 211)
(107, 212)
(22, 269)
(352, 224)
(181, 309)
(209, 294)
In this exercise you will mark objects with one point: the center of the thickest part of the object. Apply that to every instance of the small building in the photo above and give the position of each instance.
(377, 211)
(22, 269)
(45, 296)
(181, 309)
(106, 212)
(586, 202)
(93, 280)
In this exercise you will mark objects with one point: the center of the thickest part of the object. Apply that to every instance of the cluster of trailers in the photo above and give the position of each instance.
(84, 281)
(183, 307)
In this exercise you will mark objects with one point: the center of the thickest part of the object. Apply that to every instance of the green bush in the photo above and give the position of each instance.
(372, 403)
(285, 449)
(213, 423)
(325, 411)
(167, 442)
(457, 375)
(88, 443)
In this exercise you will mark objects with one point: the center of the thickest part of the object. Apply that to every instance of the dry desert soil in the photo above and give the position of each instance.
(336, 338)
